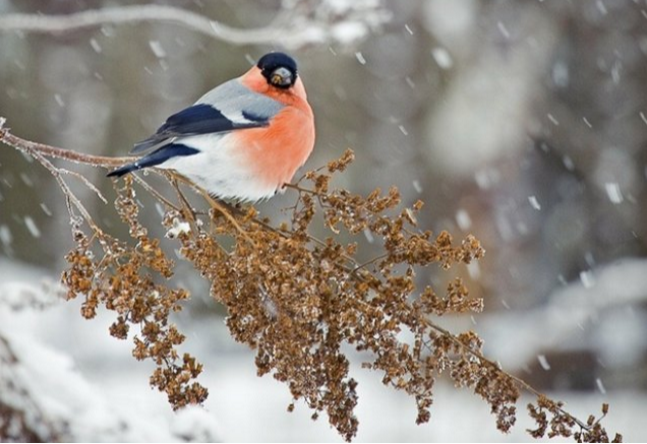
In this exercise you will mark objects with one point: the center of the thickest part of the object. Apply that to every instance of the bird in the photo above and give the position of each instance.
(243, 140)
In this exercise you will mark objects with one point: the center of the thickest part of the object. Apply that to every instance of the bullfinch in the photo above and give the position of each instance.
(242, 140)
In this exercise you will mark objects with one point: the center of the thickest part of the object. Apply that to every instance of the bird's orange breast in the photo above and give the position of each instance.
(275, 152)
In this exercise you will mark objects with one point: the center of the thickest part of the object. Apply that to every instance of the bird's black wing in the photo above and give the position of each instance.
(198, 119)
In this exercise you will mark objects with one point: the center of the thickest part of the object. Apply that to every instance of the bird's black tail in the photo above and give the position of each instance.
(121, 171)
(155, 158)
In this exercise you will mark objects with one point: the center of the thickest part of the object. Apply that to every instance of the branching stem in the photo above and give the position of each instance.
(41, 152)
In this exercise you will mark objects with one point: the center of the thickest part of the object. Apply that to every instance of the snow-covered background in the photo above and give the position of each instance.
(523, 123)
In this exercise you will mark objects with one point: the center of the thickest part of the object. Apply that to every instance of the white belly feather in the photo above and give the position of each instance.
(219, 168)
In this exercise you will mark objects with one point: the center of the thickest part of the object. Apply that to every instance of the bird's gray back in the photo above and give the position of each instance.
(235, 101)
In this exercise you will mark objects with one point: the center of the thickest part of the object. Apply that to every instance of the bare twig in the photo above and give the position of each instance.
(37, 23)
(211, 201)
(153, 192)
(296, 24)
(87, 183)
(296, 187)
(70, 197)
(40, 152)
(29, 147)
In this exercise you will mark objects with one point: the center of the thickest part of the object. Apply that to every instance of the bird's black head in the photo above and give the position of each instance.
(279, 69)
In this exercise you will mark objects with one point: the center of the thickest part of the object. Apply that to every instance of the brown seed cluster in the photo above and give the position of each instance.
(121, 277)
(302, 303)
(299, 301)
(553, 421)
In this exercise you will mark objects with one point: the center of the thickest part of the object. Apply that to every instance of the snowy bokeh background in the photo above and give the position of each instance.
(524, 123)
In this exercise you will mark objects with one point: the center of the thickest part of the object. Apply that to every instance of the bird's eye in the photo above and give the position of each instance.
(281, 77)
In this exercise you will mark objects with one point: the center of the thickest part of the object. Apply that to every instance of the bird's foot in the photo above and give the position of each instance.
(227, 212)
(186, 210)
(221, 207)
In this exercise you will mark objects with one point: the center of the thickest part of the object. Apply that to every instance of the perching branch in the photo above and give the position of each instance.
(30, 148)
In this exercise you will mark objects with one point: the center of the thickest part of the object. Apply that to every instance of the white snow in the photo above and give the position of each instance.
(642, 116)
(601, 7)
(587, 278)
(360, 58)
(613, 191)
(486, 178)
(369, 236)
(576, 305)
(560, 74)
(96, 46)
(19, 296)
(31, 226)
(410, 82)
(178, 228)
(598, 383)
(59, 100)
(51, 381)
(442, 58)
(157, 48)
(568, 163)
(615, 72)
(45, 209)
(26, 179)
(534, 202)
(76, 373)
(463, 219)
(5, 235)
(504, 31)
(474, 270)
(543, 362)
(195, 424)
(552, 119)
(348, 32)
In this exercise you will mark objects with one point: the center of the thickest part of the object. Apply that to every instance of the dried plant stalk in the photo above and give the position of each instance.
(299, 301)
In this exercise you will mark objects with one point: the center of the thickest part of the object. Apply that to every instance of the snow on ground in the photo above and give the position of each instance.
(77, 374)
(597, 313)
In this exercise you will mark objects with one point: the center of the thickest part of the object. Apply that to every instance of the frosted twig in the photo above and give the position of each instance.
(70, 197)
(40, 152)
(85, 181)
(38, 23)
(296, 24)
(155, 193)
(29, 147)
(176, 178)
